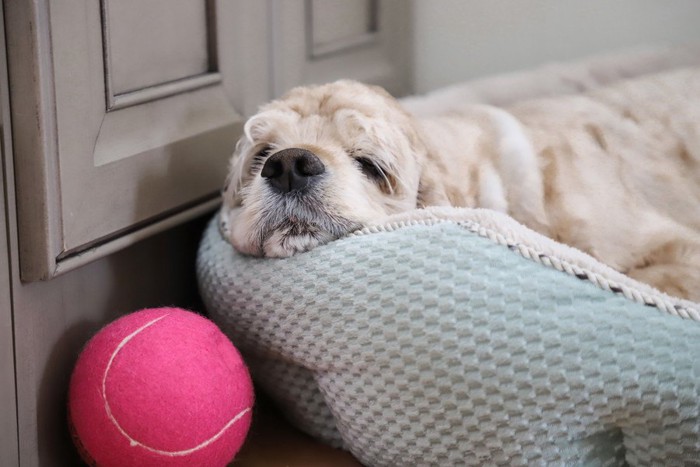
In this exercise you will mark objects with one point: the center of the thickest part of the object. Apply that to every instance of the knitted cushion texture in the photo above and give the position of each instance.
(432, 343)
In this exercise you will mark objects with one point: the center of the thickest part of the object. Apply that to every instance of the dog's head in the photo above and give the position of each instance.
(318, 164)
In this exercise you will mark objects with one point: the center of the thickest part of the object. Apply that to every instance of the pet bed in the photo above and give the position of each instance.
(452, 336)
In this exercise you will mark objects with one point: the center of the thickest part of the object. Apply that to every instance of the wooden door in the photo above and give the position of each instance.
(316, 41)
(123, 121)
(8, 402)
(9, 446)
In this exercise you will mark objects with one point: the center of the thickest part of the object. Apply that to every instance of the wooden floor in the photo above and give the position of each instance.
(273, 442)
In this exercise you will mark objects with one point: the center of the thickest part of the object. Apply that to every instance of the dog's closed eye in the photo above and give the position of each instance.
(376, 173)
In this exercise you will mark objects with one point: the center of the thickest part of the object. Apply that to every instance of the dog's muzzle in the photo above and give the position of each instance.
(292, 170)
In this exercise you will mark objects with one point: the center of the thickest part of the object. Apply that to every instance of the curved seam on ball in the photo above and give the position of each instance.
(134, 442)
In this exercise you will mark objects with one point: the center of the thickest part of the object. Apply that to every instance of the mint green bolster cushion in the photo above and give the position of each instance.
(458, 337)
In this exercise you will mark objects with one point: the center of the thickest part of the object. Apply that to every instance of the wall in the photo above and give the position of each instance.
(461, 39)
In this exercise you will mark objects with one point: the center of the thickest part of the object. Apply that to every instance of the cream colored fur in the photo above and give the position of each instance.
(614, 172)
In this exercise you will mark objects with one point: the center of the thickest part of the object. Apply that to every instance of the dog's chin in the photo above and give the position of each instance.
(279, 232)
(283, 243)
(294, 236)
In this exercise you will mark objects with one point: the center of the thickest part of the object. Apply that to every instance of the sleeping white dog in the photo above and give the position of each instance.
(614, 172)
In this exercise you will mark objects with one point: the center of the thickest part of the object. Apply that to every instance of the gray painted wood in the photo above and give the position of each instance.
(245, 67)
(9, 447)
(380, 55)
(8, 402)
(34, 133)
(151, 42)
(54, 319)
(163, 155)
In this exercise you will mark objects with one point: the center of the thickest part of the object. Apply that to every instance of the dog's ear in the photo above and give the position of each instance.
(236, 173)
(255, 131)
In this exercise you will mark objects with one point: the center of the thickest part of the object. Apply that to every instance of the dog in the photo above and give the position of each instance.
(614, 172)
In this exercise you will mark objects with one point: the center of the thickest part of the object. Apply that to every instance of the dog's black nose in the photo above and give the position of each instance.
(292, 169)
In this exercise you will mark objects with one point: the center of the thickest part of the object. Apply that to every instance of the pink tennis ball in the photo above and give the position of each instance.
(160, 387)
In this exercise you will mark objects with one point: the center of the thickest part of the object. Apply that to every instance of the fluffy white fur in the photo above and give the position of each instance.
(614, 172)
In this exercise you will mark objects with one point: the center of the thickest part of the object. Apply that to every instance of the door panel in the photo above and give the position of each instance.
(132, 124)
(316, 41)
(150, 42)
(165, 153)
(337, 24)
